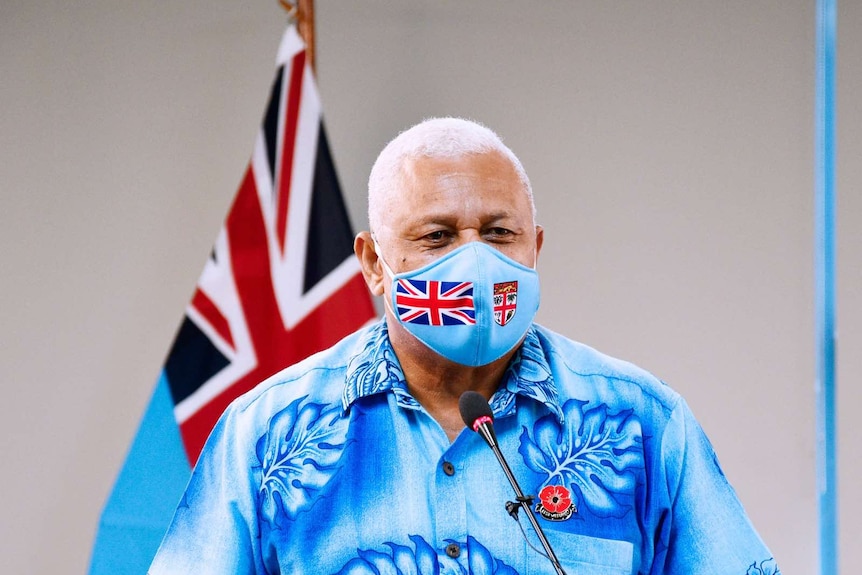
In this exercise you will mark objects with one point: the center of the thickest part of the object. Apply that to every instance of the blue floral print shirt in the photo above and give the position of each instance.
(331, 466)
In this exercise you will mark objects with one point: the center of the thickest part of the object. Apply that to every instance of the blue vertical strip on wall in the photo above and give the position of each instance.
(825, 284)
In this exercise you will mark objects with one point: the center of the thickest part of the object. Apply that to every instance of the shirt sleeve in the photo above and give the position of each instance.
(706, 530)
(214, 529)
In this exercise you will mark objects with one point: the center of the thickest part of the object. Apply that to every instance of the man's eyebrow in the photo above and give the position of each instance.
(500, 216)
(430, 219)
(447, 219)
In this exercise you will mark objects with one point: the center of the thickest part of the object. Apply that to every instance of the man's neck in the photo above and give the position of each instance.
(437, 383)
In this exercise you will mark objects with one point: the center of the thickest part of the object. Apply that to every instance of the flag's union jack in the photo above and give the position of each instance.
(430, 302)
(281, 282)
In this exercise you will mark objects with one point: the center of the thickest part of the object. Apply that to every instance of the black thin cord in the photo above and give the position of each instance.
(514, 513)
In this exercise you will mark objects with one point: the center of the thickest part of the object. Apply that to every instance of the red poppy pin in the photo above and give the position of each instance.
(555, 503)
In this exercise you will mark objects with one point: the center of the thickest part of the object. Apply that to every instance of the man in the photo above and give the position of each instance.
(357, 459)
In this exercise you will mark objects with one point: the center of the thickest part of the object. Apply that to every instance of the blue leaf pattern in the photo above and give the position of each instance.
(298, 455)
(596, 455)
(768, 567)
(313, 499)
(401, 560)
(375, 370)
(528, 375)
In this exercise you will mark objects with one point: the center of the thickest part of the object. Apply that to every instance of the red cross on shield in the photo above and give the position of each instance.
(505, 301)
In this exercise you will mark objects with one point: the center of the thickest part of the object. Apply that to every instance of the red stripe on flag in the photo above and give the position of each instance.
(275, 347)
(211, 313)
(331, 321)
(288, 144)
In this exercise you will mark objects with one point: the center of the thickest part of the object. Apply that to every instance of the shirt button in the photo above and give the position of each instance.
(448, 468)
(453, 550)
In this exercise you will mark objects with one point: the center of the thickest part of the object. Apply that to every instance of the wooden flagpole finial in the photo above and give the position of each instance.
(302, 11)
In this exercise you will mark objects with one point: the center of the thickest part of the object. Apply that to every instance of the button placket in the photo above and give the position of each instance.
(450, 511)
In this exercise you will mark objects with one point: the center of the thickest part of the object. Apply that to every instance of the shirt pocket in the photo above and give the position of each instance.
(583, 555)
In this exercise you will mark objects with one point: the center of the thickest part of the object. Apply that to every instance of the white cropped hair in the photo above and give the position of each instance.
(434, 138)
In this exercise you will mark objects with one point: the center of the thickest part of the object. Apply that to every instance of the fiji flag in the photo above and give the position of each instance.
(281, 283)
(430, 302)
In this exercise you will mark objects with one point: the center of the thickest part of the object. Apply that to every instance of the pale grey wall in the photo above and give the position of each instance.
(670, 147)
(849, 285)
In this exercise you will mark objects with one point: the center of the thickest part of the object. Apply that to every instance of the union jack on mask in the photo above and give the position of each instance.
(431, 302)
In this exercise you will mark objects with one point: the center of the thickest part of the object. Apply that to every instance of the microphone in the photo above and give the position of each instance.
(477, 415)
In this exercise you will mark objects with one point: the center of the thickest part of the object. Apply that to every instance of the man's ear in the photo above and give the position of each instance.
(540, 238)
(372, 271)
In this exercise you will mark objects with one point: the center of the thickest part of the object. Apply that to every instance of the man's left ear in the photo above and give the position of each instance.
(363, 247)
(540, 238)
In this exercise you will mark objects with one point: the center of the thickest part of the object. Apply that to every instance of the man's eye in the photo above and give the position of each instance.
(499, 232)
(435, 236)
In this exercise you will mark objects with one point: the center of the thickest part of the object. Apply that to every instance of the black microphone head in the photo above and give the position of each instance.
(473, 406)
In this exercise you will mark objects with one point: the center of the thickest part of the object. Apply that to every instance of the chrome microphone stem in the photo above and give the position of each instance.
(477, 415)
(487, 433)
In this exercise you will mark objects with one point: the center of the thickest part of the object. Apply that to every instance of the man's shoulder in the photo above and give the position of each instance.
(579, 370)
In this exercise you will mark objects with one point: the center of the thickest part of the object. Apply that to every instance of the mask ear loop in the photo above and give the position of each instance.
(379, 253)
(388, 270)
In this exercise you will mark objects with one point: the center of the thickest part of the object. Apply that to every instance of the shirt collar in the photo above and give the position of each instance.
(528, 374)
(375, 369)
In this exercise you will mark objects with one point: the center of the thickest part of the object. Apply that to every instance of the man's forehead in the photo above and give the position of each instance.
(460, 163)
(464, 173)
(484, 185)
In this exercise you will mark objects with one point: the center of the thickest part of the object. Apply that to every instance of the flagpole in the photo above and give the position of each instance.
(303, 12)
(825, 384)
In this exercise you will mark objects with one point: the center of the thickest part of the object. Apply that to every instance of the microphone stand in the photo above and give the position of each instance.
(487, 433)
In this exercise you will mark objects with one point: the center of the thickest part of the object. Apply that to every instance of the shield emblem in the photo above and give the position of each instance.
(505, 302)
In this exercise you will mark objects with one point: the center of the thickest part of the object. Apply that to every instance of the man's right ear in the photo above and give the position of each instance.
(372, 271)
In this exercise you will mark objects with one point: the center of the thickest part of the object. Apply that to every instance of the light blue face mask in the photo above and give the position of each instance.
(472, 306)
